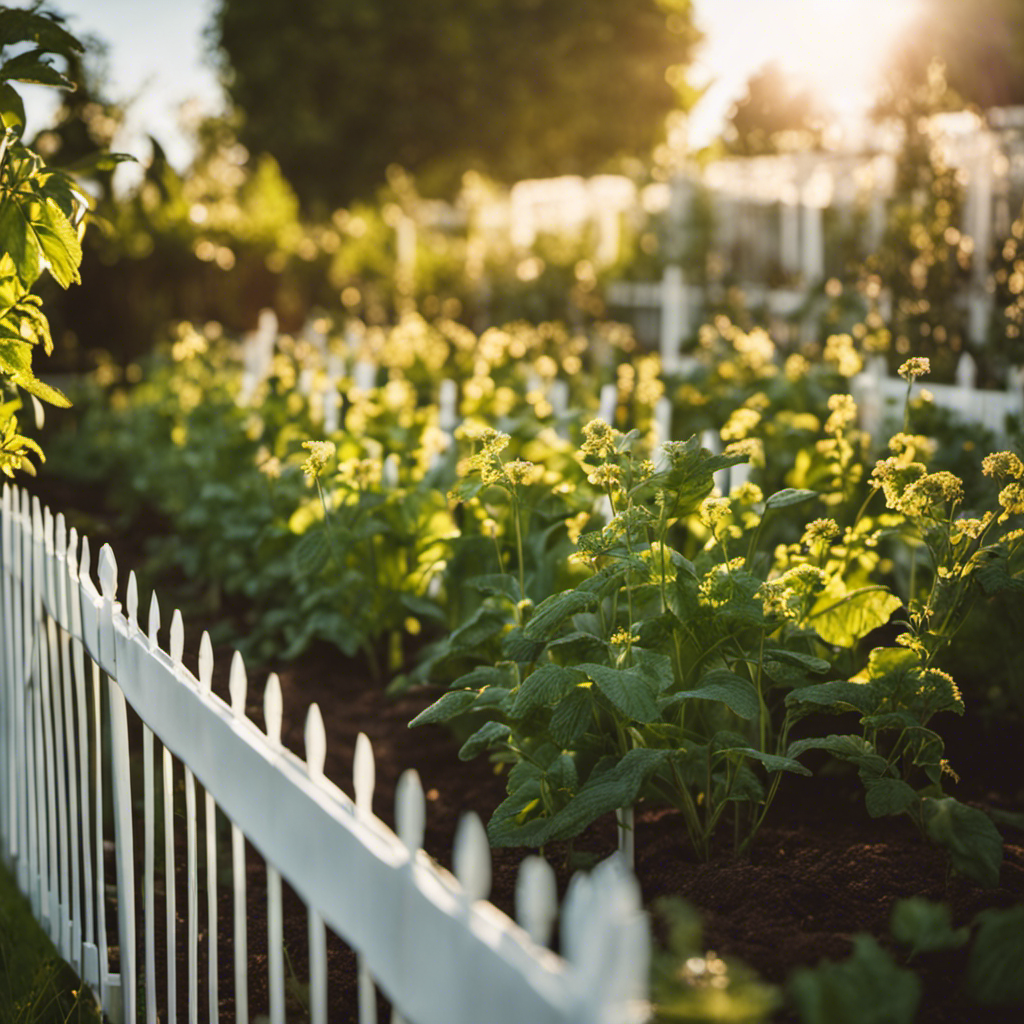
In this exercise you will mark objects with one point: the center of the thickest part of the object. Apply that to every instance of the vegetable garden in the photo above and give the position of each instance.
(699, 617)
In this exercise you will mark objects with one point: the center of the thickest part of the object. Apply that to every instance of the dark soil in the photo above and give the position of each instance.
(820, 872)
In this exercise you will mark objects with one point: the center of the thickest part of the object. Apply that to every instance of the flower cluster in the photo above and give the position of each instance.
(916, 366)
(320, 453)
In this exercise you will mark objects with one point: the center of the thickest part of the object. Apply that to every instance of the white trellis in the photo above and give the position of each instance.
(74, 660)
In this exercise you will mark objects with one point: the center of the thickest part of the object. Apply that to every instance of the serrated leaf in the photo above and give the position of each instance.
(543, 687)
(655, 666)
(888, 796)
(449, 706)
(994, 974)
(789, 496)
(973, 843)
(631, 692)
(554, 610)
(735, 692)
(488, 734)
(424, 608)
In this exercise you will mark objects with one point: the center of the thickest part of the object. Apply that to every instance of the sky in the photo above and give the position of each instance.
(157, 56)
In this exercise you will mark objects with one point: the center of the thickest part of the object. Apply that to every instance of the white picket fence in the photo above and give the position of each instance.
(73, 662)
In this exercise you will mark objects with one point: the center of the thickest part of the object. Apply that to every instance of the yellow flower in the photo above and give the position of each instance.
(599, 439)
(916, 366)
(1002, 464)
(1011, 497)
(320, 453)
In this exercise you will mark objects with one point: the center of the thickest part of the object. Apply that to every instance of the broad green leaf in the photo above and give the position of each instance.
(485, 675)
(22, 244)
(12, 110)
(98, 163)
(32, 68)
(605, 791)
(854, 749)
(488, 734)
(866, 988)
(630, 691)
(837, 696)
(883, 660)
(973, 843)
(311, 552)
(484, 623)
(543, 687)
(18, 25)
(500, 583)
(772, 762)
(446, 708)
(655, 666)
(571, 716)
(994, 974)
(44, 392)
(516, 646)
(925, 926)
(844, 618)
(888, 796)
(735, 692)
(798, 658)
(424, 608)
(789, 496)
(554, 610)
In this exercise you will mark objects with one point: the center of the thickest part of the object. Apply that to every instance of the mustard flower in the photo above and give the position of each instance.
(916, 366)
(320, 453)
(1003, 464)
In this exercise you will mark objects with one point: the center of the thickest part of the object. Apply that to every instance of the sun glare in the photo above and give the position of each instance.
(836, 48)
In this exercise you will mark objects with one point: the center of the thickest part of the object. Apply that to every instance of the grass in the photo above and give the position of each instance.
(36, 985)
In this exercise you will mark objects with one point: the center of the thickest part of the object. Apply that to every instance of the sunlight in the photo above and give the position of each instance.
(837, 48)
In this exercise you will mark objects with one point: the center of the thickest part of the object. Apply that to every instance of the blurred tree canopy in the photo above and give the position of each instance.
(981, 44)
(513, 88)
(773, 115)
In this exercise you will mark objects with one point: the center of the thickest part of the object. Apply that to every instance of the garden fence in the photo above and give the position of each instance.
(90, 704)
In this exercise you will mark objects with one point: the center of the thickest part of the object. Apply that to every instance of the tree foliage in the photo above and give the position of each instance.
(338, 92)
(981, 44)
(773, 115)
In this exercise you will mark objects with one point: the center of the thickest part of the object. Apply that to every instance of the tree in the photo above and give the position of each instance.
(339, 91)
(981, 44)
(773, 115)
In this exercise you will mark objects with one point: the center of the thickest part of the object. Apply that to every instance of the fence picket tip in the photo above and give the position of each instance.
(238, 684)
(471, 857)
(205, 663)
(60, 530)
(48, 540)
(37, 517)
(364, 772)
(177, 638)
(107, 571)
(154, 619)
(131, 600)
(410, 810)
(316, 743)
(272, 708)
(85, 563)
(72, 553)
(537, 898)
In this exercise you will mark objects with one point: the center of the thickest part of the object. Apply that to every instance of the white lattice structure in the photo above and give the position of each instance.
(72, 662)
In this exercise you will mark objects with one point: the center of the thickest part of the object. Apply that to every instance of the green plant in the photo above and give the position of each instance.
(42, 214)
(693, 985)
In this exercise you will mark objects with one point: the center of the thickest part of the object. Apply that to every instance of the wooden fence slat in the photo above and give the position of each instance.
(272, 715)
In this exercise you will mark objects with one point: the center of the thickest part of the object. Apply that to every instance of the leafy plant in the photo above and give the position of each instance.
(41, 219)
